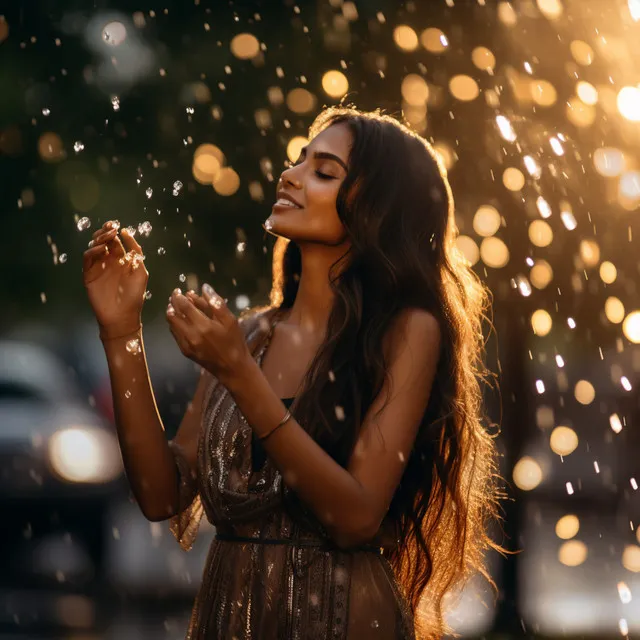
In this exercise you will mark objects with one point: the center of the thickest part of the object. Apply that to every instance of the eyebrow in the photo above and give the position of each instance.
(325, 155)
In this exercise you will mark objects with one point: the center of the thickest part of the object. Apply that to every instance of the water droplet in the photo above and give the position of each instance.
(115, 103)
(375, 624)
(147, 295)
(177, 185)
(43, 297)
(114, 33)
(131, 230)
(149, 192)
(78, 146)
(83, 224)
(182, 277)
(63, 258)
(46, 112)
(127, 394)
(268, 225)
(133, 347)
(144, 229)
(161, 251)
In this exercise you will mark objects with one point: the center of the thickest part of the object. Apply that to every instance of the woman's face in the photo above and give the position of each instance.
(311, 185)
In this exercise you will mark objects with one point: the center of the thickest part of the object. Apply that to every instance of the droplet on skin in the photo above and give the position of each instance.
(133, 346)
(127, 394)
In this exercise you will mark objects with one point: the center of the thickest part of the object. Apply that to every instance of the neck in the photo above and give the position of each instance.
(314, 299)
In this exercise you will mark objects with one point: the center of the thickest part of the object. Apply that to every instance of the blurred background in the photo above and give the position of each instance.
(176, 119)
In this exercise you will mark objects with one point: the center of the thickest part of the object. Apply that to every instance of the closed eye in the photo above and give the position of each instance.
(322, 176)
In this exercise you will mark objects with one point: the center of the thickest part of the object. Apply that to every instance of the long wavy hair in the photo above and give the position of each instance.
(397, 208)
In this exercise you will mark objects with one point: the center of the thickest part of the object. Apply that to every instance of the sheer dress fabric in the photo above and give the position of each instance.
(273, 591)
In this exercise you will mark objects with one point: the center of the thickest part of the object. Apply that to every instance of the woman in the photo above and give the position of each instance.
(335, 437)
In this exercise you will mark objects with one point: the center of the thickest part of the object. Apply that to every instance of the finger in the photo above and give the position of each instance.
(183, 306)
(221, 312)
(107, 226)
(103, 238)
(179, 326)
(200, 303)
(116, 248)
(91, 255)
(130, 242)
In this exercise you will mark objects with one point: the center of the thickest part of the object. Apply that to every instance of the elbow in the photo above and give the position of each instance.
(157, 514)
(355, 535)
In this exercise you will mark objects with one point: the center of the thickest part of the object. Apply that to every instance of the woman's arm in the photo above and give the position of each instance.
(351, 503)
(148, 461)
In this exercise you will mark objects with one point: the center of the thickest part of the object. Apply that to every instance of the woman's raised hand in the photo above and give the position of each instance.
(115, 278)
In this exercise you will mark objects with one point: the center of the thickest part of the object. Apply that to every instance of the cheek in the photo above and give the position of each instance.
(321, 199)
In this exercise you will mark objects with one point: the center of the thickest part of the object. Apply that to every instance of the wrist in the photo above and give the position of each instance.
(128, 329)
(241, 380)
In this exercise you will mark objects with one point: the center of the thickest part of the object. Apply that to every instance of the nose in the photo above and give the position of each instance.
(287, 177)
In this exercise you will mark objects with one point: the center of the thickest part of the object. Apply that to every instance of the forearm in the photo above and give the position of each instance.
(148, 461)
(334, 495)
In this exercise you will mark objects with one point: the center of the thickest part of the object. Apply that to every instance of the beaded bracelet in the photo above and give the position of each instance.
(280, 424)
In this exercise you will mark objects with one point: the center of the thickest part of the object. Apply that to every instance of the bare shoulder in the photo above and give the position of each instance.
(412, 328)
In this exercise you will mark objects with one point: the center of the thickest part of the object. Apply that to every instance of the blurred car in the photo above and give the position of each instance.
(60, 466)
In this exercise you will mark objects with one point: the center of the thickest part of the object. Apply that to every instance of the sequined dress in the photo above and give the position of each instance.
(300, 587)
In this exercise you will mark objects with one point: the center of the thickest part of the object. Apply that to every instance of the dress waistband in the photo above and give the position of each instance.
(299, 542)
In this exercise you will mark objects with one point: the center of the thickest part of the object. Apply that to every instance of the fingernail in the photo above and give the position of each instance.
(207, 289)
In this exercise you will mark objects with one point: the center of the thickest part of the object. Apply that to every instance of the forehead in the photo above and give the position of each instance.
(334, 139)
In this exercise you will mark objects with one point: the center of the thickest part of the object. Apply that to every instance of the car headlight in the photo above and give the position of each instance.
(85, 454)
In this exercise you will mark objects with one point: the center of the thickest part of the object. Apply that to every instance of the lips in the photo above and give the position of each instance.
(287, 200)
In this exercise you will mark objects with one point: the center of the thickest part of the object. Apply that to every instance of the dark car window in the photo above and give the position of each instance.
(13, 391)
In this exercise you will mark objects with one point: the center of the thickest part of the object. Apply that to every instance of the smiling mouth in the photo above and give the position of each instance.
(286, 204)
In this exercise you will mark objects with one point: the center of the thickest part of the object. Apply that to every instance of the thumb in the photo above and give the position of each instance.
(130, 243)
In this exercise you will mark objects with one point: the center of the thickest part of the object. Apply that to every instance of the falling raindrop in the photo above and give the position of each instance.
(78, 146)
(177, 186)
(115, 102)
(144, 229)
(161, 251)
(114, 33)
(46, 112)
(83, 224)
(63, 258)
(149, 192)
